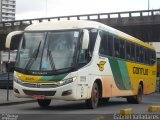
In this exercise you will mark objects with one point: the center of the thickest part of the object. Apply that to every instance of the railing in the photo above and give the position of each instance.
(98, 16)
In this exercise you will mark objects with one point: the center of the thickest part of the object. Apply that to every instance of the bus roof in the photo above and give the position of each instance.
(81, 24)
(62, 25)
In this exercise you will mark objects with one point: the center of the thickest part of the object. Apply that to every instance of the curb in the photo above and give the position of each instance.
(128, 111)
(154, 109)
(16, 102)
(99, 118)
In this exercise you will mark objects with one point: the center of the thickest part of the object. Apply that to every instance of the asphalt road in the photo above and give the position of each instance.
(69, 110)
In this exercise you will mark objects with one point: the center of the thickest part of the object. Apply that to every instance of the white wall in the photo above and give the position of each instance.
(157, 47)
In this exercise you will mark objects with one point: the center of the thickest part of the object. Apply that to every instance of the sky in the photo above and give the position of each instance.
(28, 9)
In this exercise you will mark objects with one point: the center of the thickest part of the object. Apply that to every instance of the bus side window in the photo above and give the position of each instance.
(103, 45)
(150, 57)
(92, 36)
(153, 60)
(137, 54)
(82, 56)
(122, 48)
(147, 52)
(116, 48)
(133, 52)
(142, 59)
(106, 46)
(128, 51)
(85, 55)
(110, 46)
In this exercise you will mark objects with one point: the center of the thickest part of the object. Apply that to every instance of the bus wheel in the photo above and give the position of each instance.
(137, 99)
(44, 103)
(93, 101)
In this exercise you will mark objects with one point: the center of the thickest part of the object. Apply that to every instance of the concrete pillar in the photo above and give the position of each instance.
(0, 61)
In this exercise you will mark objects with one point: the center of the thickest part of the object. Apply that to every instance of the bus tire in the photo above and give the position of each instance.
(44, 103)
(137, 99)
(93, 101)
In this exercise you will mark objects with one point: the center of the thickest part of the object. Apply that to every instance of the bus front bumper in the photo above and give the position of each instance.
(65, 92)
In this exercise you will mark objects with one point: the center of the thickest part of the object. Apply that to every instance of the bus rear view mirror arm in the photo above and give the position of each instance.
(10, 36)
(85, 39)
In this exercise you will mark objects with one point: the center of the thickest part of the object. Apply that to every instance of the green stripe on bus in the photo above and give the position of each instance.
(54, 78)
(125, 74)
(120, 74)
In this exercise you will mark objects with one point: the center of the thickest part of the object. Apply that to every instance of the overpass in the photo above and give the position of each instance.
(144, 24)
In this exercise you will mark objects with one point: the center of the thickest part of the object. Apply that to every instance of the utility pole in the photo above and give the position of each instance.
(148, 6)
(1, 61)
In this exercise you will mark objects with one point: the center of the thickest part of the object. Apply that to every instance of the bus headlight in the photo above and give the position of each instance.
(66, 81)
(15, 78)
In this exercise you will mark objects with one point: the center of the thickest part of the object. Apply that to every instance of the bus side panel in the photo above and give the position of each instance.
(107, 86)
(144, 73)
(116, 81)
(110, 88)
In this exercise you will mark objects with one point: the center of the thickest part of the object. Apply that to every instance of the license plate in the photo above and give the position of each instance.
(39, 97)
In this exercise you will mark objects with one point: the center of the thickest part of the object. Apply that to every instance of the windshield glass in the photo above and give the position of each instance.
(46, 51)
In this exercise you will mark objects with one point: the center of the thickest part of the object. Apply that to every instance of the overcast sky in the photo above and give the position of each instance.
(26, 9)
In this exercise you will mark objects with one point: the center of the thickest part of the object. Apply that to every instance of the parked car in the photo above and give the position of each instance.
(4, 80)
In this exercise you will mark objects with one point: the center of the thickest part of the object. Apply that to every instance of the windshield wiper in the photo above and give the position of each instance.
(33, 57)
(51, 59)
(37, 50)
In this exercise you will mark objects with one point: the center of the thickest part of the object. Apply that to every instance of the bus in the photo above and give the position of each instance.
(81, 60)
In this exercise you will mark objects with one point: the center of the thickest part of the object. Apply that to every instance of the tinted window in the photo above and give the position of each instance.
(106, 46)
(116, 47)
(128, 51)
(150, 57)
(103, 45)
(122, 48)
(147, 61)
(153, 60)
(133, 52)
(110, 45)
(137, 54)
(85, 55)
(113, 46)
(141, 52)
(93, 36)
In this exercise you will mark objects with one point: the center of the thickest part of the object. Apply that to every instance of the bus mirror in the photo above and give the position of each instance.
(85, 40)
(10, 37)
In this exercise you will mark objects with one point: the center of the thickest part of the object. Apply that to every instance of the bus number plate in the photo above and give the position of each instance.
(39, 97)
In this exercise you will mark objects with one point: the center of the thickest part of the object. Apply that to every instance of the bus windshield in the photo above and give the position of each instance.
(47, 51)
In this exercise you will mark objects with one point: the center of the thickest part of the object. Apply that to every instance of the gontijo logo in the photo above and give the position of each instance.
(101, 65)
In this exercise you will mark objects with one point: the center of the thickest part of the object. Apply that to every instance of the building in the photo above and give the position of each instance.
(4, 61)
(7, 10)
(7, 13)
(157, 47)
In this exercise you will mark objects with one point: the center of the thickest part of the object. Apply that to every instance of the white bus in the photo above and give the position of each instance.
(81, 60)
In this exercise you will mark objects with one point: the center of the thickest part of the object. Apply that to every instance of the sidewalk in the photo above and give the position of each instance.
(12, 99)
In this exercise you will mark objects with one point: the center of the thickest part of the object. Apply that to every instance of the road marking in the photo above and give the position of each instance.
(154, 109)
(128, 111)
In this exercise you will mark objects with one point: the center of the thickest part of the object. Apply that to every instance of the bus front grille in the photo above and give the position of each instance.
(44, 93)
(39, 85)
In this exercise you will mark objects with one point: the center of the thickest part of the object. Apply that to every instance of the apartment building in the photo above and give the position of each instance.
(7, 10)
(7, 13)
